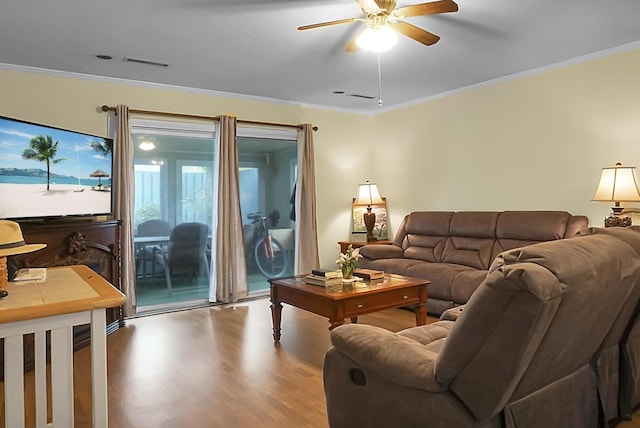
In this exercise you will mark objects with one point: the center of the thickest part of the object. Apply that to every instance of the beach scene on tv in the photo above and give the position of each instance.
(45, 171)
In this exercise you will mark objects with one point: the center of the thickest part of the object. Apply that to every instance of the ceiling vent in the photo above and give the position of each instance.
(145, 62)
(367, 97)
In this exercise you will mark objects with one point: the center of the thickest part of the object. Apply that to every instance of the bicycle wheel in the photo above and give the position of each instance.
(271, 266)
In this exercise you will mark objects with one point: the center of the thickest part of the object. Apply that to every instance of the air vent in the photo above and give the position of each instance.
(367, 97)
(146, 62)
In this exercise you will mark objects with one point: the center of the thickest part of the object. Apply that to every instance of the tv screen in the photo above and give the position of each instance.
(51, 172)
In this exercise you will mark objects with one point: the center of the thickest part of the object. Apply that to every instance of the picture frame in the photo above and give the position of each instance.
(359, 236)
(381, 227)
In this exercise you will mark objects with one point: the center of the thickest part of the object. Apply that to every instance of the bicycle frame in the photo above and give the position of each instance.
(266, 246)
(270, 255)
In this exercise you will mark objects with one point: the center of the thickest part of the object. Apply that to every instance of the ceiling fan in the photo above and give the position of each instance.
(383, 13)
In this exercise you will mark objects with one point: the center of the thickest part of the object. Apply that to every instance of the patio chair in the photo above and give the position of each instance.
(146, 251)
(187, 252)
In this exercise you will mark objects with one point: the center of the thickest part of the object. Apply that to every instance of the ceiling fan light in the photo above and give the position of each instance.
(377, 39)
(147, 145)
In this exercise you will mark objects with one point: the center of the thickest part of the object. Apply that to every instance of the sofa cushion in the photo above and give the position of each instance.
(428, 223)
(520, 228)
(397, 266)
(465, 283)
(426, 248)
(425, 235)
(473, 252)
(474, 224)
(440, 275)
(432, 336)
(532, 225)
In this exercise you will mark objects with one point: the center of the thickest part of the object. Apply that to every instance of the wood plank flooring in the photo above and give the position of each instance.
(218, 367)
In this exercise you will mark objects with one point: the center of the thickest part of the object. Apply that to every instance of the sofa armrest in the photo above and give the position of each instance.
(398, 359)
(375, 252)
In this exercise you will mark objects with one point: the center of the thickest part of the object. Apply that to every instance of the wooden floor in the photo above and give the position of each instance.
(219, 367)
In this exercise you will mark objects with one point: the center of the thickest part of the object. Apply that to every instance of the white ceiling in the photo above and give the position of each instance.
(252, 47)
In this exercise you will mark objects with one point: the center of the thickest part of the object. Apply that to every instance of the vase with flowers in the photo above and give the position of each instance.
(348, 262)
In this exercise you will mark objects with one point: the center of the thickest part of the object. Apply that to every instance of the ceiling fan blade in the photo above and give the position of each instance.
(432, 8)
(417, 34)
(329, 23)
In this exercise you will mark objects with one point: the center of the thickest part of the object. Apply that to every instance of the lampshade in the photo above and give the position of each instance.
(617, 184)
(377, 38)
(368, 194)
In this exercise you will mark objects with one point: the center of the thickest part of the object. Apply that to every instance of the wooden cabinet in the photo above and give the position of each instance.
(78, 242)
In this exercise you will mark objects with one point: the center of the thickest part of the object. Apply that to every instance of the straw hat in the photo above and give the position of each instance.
(12, 242)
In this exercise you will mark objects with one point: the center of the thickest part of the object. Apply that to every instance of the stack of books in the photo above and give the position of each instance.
(369, 274)
(324, 277)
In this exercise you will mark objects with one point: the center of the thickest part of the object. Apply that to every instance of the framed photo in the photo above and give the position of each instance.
(380, 230)
(359, 236)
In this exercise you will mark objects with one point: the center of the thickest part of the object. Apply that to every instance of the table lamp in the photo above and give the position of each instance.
(368, 195)
(617, 184)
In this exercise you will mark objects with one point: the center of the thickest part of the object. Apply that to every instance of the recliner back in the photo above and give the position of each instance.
(539, 344)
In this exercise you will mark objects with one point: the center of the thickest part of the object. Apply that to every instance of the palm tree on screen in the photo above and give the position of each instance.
(43, 149)
(104, 147)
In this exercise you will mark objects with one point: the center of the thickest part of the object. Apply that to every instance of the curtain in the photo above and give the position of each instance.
(229, 278)
(123, 189)
(306, 257)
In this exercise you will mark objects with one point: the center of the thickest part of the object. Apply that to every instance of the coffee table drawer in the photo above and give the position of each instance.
(373, 302)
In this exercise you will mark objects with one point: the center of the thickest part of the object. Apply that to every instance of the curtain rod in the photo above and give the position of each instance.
(106, 108)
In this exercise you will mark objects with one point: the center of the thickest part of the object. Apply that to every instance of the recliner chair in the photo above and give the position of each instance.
(521, 354)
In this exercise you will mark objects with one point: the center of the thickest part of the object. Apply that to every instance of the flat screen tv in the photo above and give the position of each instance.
(48, 172)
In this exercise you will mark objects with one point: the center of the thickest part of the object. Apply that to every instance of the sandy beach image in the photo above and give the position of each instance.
(33, 200)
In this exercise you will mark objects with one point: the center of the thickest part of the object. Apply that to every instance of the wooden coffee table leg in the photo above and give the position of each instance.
(421, 308)
(276, 316)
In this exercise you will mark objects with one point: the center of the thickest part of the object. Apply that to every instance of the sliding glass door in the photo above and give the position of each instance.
(267, 174)
(175, 206)
(173, 211)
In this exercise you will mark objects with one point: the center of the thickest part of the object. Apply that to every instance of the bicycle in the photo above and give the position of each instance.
(269, 254)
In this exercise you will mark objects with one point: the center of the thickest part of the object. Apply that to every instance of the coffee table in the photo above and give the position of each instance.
(362, 298)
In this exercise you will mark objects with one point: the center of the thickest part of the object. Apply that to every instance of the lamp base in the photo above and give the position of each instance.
(369, 222)
(617, 221)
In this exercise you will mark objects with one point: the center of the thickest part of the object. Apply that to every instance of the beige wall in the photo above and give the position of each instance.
(534, 142)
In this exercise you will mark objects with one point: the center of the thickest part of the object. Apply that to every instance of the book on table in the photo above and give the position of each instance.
(369, 274)
(327, 273)
(321, 280)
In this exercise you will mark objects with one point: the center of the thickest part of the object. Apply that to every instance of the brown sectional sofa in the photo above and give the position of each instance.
(454, 250)
(537, 345)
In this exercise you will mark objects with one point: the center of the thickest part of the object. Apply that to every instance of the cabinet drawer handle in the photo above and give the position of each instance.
(360, 305)
(406, 296)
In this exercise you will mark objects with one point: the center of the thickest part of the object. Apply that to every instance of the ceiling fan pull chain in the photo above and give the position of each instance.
(379, 82)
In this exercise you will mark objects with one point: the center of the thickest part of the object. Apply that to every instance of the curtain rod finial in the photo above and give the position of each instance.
(315, 128)
(105, 107)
